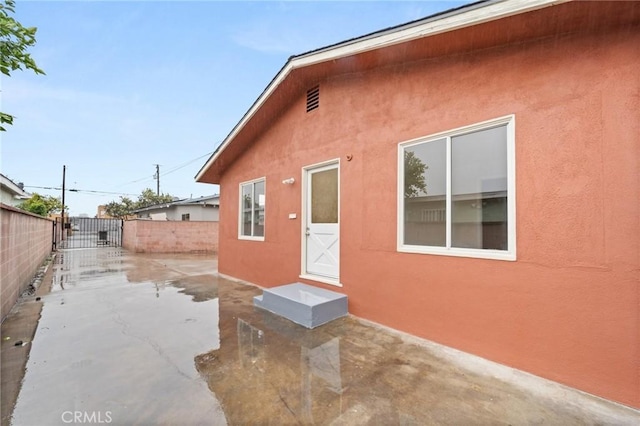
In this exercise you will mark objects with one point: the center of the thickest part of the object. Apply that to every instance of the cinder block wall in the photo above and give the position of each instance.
(130, 234)
(148, 236)
(25, 242)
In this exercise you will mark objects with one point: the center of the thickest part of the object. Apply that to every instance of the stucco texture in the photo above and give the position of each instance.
(568, 308)
(25, 242)
(150, 236)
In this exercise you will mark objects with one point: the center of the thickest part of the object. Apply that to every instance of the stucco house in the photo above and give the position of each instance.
(201, 209)
(12, 193)
(470, 178)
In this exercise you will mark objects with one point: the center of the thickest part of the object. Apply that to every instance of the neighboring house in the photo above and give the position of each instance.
(202, 209)
(387, 167)
(12, 193)
(102, 212)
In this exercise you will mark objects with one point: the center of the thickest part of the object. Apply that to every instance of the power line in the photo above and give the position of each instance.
(154, 177)
(170, 170)
(79, 190)
(138, 180)
(182, 166)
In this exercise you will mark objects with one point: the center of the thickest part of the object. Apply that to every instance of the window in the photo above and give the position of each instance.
(252, 202)
(186, 217)
(456, 192)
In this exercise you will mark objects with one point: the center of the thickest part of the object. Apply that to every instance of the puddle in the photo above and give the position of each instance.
(200, 287)
(160, 340)
(120, 349)
(348, 372)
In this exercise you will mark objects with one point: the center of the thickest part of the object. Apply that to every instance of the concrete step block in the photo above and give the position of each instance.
(303, 304)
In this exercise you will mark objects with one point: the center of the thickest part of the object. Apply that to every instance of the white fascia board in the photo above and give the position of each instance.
(196, 201)
(438, 25)
(12, 187)
(430, 27)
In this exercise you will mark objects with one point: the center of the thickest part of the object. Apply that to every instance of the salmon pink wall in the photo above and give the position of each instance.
(568, 308)
(159, 236)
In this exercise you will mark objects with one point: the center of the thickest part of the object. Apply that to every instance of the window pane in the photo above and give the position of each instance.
(425, 184)
(479, 189)
(324, 196)
(258, 209)
(246, 209)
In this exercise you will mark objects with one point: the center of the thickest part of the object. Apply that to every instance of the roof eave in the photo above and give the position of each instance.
(473, 14)
(11, 186)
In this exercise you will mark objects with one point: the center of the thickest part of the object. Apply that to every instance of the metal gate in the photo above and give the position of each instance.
(87, 232)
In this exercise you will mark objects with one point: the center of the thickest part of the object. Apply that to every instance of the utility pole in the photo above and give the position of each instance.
(157, 176)
(64, 170)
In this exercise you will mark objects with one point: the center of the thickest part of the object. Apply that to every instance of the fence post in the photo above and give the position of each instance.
(53, 235)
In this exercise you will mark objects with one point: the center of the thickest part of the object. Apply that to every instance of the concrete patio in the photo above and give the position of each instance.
(112, 337)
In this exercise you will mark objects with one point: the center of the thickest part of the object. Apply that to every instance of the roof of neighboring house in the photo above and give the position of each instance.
(302, 71)
(207, 200)
(10, 186)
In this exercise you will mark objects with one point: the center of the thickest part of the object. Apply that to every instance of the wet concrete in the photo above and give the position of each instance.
(162, 339)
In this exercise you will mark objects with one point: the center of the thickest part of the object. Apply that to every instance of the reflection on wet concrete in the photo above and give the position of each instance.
(271, 371)
(118, 348)
(200, 287)
(162, 339)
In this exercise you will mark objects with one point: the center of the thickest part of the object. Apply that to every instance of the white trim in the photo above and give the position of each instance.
(448, 201)
(303, 223)
(459, 252)
(429, 27)
(240, 209)
(509, 254)
(11, 187)
(511, 187)
(322, 164)
(247, 238)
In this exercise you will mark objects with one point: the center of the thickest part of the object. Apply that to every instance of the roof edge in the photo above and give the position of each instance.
(13, 187)
(441, 22)
(181, 202)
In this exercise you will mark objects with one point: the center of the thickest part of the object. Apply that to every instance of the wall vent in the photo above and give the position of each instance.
(313, 98)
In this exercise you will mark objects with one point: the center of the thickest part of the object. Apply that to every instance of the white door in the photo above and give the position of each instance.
(322, 236)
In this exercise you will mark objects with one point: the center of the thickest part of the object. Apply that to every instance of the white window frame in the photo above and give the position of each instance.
(510, 253)
(241, 208)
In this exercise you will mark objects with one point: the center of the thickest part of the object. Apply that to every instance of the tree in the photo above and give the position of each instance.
(42, 205)
(126, 206)
(14, 42)
(414, 179)
(149, 198)
(120, 209)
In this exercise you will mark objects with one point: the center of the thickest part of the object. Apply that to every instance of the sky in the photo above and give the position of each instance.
(129, 85)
